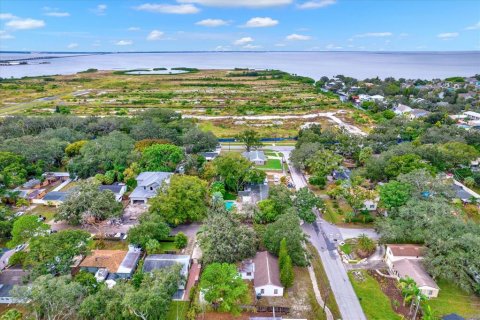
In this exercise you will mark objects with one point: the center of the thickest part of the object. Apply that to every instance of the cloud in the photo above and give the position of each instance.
(243, 41)
(239, 3)
(280, 44)
(259, 22)
(168, 8)
(403, 34)
(315, 4)
(134, 29)
(7, 16)
(25, 24)
(124, 43)
(155, 35)
(447, 35)
(57, 14)
(374, 34)
(332, 47)
(4, 35)
(474, 27)
(251, 46)
(212, 23)
(100, 10)
(222, 48)
(72, 45)
(297, 37)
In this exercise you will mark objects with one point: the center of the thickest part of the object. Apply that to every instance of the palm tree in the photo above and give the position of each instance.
(406, 285)
(419, 299)
(428, 313)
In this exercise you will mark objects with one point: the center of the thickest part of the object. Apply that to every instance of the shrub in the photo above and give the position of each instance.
(181, 240)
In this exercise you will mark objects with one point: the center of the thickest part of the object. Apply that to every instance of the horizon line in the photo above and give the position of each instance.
(241, 51)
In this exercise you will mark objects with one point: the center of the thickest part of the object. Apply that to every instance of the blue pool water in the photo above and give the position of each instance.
(229, 205)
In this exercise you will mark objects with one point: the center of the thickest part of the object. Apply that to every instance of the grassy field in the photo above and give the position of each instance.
(178, 310)
(375, 303)
(452, 299)
(46, 211)
(323, 283)
(330, 213)
(272, 164)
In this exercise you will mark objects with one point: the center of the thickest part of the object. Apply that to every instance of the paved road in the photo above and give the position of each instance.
(321, 239)
(4, 259)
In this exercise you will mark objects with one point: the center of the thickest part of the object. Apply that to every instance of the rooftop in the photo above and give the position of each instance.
(108, 259)
(415, 270)
(55, 196)
(406, 250)
(115, 188)
(255, 155)
(267, 271)
(145, 179)
(160, 261)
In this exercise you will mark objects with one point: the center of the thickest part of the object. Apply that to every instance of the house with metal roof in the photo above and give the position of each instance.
(118, 190)
(148, 184)
(162, 261)
(254, 192)
(257, 156)
(266, 278)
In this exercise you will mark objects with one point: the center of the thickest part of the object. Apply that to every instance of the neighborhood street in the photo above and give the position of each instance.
(4, 258)
(319, 233)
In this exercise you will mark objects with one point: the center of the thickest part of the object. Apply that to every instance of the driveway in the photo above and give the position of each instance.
(4, 259)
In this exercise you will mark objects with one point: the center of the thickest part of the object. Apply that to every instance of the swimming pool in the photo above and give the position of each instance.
(229, 205)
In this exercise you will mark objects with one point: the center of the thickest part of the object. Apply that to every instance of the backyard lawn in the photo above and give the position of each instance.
(452, 299)
(46, 211)
(178, 310)
(375, 303)
(272, 164)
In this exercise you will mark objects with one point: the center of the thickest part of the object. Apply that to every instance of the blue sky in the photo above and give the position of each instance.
(198, 25)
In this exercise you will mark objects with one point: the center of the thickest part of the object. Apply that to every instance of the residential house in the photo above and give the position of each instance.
(254, 192)
(475, 165)
(147, 185)
(53, 198)
(52, 177)
(402, 109)
(405, 260)
(118, 190)
(247, 269)
(256, 156)
(8, 279)
(161, 261)
(418, 113)
(371, 204)
(378, 97)
(364, 97)
(471, 115)
(112, 264)
(32, 184)
(341, 174)
(266, 275)
(209, 156)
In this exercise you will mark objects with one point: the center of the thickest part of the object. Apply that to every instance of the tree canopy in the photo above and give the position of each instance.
(161, 157)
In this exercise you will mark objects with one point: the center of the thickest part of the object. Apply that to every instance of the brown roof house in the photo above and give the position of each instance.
(266, 276)
(405, 260)
(112, 264)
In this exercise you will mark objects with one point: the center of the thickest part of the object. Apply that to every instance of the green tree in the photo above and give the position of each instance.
(266, 211)
(161, 157)
(87, 204)
(181, 240)
(25, 228)
(106, 304)
(404, 164)
(394, 194)
(287, 226)
(88, 281)
(12, 314)
(282, 253)
(305, 201)
(225, 239)
(321, 164)
(102, 154)
(251, 139)
(196, 140)
(151, 226)
(54, 254)
(223, 287)
(51, 297)
(232, 169)
(287, 276)
(365, 244)
(365, 155)
(153, 246)
(185, 200)
(457, 153)
(13, 170)
(74, 148)
(281, 197)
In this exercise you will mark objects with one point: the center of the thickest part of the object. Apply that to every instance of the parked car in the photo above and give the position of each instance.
(20, 247)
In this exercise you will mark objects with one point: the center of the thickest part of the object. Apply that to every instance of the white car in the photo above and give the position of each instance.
(20, 247)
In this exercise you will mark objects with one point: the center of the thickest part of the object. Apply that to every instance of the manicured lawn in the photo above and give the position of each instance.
(452, 299)
(346, 248)
(374, 302)
(272, 164)
(168, 246)
(46, 211)
(177, 306)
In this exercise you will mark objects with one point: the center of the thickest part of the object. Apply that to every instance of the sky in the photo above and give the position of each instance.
(224, 25)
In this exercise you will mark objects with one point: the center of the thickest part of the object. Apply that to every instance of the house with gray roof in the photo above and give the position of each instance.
(161, 261)
(118, 190)
(148, 184)
(258, 157)
(266, 278)
(418, 113)
(254, 192)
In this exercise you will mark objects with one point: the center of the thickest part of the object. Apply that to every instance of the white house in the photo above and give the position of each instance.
(471, 115)
(371, 204)
(247, 269)
(256, 156)
(418, 113)
(405, 260)
(147, 185)
(401, 109)
(364, 97)
(267, 275)
(378, 97)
